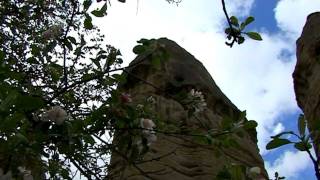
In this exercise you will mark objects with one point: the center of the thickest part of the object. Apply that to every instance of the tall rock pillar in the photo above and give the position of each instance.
(175, 157)
(307, 76)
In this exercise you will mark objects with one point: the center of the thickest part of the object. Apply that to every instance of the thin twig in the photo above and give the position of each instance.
(232, 33)
(65, 74)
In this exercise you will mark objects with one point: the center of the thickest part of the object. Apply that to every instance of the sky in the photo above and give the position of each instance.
(255, 76)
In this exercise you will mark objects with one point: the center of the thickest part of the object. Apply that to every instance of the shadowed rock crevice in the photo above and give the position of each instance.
(189, 159)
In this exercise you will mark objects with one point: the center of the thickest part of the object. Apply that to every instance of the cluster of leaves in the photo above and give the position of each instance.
(71, 69)
(154, 48)
(235, 31)
(302, 142)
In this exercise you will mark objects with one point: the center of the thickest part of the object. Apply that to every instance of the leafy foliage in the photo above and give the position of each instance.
(235, 31)
(303, 143)
(48, 58)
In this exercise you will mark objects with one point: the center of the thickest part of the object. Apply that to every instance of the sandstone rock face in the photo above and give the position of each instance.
(183, 158)
(307, 75)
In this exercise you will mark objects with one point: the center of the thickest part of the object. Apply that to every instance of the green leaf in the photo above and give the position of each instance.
(242, 115)
(56, 71)
(227, 30)
(277, 142)
(254, 35)
(9, 101)
(139, 49)
(240, 39)
(144, 41)
(2, 56)
(96, 62)
(209, 139)
(120, 77)
(302, 125)
(250, 124)
(68, 44)
(88, 22)
(30, 103)
(88, 139)
(234, 21)
(10, 123)
(86, 4)
(21, 138)
(282, 133)
(72, 39)
(249, 20)
(101, 12)
(302, 146)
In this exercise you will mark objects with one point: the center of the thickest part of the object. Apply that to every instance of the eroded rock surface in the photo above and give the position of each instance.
(307, 75)
(182, 157)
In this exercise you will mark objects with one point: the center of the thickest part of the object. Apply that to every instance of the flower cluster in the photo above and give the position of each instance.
(198, 101)
(56, 114)
(53, 32)
(148, 132)
(151, 100)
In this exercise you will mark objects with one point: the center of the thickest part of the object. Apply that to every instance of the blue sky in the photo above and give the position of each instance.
(255, 76)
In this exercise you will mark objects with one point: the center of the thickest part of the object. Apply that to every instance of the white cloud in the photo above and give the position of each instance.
(291, 14)
(278, 129)
(290, 164)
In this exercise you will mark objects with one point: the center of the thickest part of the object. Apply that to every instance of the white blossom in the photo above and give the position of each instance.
(140, 106)
(147, 125)
(56, 114)
(198, 102)
(151, 100)
(148, 132)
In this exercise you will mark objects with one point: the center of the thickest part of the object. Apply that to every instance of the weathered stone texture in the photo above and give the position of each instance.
(307, 74)
(190, 160)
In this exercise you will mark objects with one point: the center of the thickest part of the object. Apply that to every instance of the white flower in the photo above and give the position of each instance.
(140, 106)
(197, 100)
(151, 100)
(148, 132)
(56, 114)
(147, 125)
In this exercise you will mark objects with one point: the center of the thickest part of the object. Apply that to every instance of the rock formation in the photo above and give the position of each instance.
(307, 75)
(183, 158)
